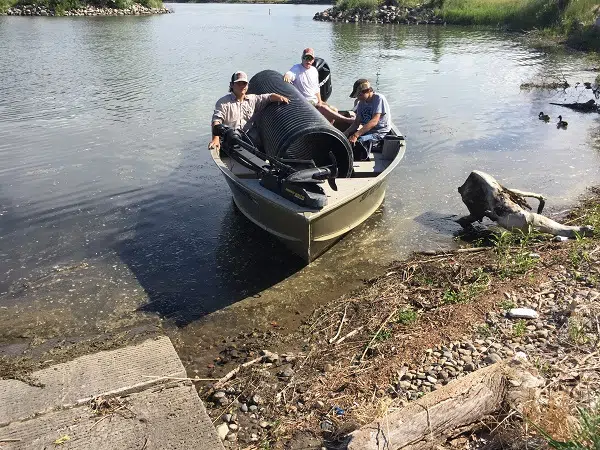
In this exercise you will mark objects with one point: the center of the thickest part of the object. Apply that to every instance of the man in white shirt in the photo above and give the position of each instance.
(305, 78)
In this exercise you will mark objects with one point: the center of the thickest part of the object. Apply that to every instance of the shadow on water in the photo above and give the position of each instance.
(173, 254)
(443, 224)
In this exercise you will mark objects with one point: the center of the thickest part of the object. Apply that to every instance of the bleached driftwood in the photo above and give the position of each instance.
(451, 410)
(485, 197)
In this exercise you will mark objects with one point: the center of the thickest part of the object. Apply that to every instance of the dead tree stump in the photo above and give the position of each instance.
(485, 197)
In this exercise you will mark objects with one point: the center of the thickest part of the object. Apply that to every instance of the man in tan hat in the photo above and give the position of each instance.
(373, 119)
(237, 109)
(305, 78)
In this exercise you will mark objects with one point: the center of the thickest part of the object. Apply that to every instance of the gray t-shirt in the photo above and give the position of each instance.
(378, 104)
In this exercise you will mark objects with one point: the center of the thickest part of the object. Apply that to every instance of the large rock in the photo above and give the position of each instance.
(597, 23)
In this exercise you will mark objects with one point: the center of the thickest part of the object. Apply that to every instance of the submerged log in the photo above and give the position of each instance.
(485, 197)
(451, 410)
(589, 106)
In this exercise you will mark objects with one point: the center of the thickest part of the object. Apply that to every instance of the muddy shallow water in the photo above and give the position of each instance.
(112, 214)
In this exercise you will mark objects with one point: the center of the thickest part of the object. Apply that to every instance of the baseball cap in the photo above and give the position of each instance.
(359, 85)
(308, 51)
(239, 76)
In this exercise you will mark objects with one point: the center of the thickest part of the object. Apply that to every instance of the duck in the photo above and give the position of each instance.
(544, 117)
(561, 123)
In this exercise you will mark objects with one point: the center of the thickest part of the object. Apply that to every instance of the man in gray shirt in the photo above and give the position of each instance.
(373, 113)
(237, 109)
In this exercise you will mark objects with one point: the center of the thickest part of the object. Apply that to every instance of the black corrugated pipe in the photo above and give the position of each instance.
(298, 130)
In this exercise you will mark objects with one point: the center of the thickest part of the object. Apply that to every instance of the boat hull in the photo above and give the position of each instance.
(308, 235)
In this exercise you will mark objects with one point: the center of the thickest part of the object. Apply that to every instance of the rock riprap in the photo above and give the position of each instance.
(40, 10)
(384, 14)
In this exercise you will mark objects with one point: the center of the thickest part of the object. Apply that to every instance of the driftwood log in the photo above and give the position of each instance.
(452, 410)
(485, 197)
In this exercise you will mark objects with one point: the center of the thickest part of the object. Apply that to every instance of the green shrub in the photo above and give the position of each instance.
(5, 4)
(151, 3)
(61, 6)
(122, 4)
(582, 10)
(345, 5)
(407, 316)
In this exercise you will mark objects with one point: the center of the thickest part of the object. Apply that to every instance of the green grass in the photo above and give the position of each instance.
(520, 328)
(514, 253)
(573, 22)
(507, 304)
(511, 13)
(407, 316)
(476, 284)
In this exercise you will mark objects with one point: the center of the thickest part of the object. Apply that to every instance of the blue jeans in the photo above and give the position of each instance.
(365, 144)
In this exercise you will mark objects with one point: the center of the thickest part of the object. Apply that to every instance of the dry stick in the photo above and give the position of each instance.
(9, 440)
(378, 331)
(352, 333)
(229, 375)
(159, 377)
(340, 327)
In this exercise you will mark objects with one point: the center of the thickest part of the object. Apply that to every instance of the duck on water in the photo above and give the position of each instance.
(302, 184)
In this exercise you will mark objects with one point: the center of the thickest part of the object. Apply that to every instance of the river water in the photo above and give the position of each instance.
(112, 210)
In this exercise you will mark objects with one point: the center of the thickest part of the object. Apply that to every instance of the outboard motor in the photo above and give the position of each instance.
(324, 78)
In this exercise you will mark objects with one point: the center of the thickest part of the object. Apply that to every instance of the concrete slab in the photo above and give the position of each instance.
(165, 418)
(158, 413)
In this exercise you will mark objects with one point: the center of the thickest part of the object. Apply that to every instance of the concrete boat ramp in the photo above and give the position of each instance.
(132, 407)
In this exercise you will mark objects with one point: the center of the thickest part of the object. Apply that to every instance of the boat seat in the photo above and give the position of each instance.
(371, 168)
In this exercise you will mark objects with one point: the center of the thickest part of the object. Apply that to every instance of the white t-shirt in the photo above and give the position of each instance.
(306, 81)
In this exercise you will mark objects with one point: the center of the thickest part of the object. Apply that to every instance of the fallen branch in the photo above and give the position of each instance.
(159, 377)
(383, 324)
(472, 249)
(349, 335)
(340, 327)
(2, 441)
(231, 374)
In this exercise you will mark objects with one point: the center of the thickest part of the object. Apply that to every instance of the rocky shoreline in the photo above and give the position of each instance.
(40, 10)
(427, 322)
(385, 14)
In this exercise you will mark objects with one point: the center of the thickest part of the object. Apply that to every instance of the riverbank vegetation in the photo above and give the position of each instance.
(570, 20)
(62, 6)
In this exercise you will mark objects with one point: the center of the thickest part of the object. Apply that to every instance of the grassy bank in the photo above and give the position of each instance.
(60, 6)
(568, 20)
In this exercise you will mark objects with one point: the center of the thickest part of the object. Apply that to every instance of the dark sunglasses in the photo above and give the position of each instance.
(365, 91)
(307, 58)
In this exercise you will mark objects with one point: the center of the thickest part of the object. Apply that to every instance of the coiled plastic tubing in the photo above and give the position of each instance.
(298, 130)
